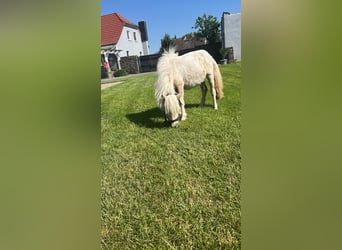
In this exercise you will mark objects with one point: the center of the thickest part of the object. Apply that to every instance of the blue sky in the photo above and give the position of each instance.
(175, 18)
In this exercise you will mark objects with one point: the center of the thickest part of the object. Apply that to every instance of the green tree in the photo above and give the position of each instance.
(208, 27)
(166, 43)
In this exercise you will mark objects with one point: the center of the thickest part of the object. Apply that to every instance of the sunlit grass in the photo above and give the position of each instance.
(166, 188)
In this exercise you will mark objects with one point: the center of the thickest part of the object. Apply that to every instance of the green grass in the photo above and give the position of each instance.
(165, 188)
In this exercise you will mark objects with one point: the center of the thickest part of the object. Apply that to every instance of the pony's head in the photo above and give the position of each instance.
(172, 109)
(165, 90)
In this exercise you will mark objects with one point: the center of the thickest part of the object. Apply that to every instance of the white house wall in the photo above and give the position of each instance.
(124, 44)
(146, 48)
(232, 33)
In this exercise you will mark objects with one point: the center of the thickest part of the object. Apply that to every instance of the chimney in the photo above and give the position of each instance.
(144, 37)
(143, 31)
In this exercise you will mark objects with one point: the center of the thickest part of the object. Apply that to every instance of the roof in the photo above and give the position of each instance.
(187, 42)
(111, 28)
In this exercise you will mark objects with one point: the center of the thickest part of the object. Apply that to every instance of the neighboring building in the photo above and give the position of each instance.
(188, 41)
(120, 38)
(231, 33)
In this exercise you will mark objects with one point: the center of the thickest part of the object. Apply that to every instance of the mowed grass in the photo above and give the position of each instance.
(165, 188)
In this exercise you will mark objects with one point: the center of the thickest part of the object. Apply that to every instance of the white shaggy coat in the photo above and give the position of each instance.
(176, 73)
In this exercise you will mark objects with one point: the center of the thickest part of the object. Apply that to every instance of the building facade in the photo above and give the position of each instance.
(121, 38)
(231, 33)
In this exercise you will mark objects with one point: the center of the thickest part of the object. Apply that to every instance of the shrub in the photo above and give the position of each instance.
(120, 72)
(224, 52)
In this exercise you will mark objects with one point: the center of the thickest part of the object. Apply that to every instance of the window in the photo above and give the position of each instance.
(135, 36)
(128, 35)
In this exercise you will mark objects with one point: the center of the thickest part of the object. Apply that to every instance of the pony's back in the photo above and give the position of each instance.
(218, 83)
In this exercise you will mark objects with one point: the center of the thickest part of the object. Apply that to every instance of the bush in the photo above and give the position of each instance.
(224, 52)
(120, 72)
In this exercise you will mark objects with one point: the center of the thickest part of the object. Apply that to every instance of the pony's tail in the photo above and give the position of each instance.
(218, 82)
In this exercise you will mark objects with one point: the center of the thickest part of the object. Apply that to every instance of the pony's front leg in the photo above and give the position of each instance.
(182, 104)
(184, 115)
(180, 88)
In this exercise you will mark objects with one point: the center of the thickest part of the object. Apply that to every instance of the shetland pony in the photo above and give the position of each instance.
(176, 73)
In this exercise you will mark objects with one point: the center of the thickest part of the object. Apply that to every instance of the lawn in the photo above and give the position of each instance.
(165, 188)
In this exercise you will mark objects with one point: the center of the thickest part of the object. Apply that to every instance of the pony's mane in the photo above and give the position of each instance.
(171, 105)
(165, 69)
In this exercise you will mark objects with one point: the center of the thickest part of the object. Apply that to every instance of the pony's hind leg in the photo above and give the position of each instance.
(213, 91)
(204, 93)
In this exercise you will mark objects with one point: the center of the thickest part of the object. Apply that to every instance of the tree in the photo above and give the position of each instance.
(166, 43)
(209, 28)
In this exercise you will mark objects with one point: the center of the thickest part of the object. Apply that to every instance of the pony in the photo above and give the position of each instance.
(176, 73)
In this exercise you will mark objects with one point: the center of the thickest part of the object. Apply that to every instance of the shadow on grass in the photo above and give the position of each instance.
(154, 118)
(192, 105)
(148, 118)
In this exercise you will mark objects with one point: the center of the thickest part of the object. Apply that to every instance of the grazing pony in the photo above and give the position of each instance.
(176, 73)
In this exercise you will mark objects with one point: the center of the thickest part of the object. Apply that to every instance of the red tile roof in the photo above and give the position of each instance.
(111, 28)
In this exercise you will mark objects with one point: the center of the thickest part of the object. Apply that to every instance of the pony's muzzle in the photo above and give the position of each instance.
(174, 124)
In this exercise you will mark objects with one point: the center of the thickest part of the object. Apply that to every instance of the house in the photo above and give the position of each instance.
(121, 38)
(231, 33)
